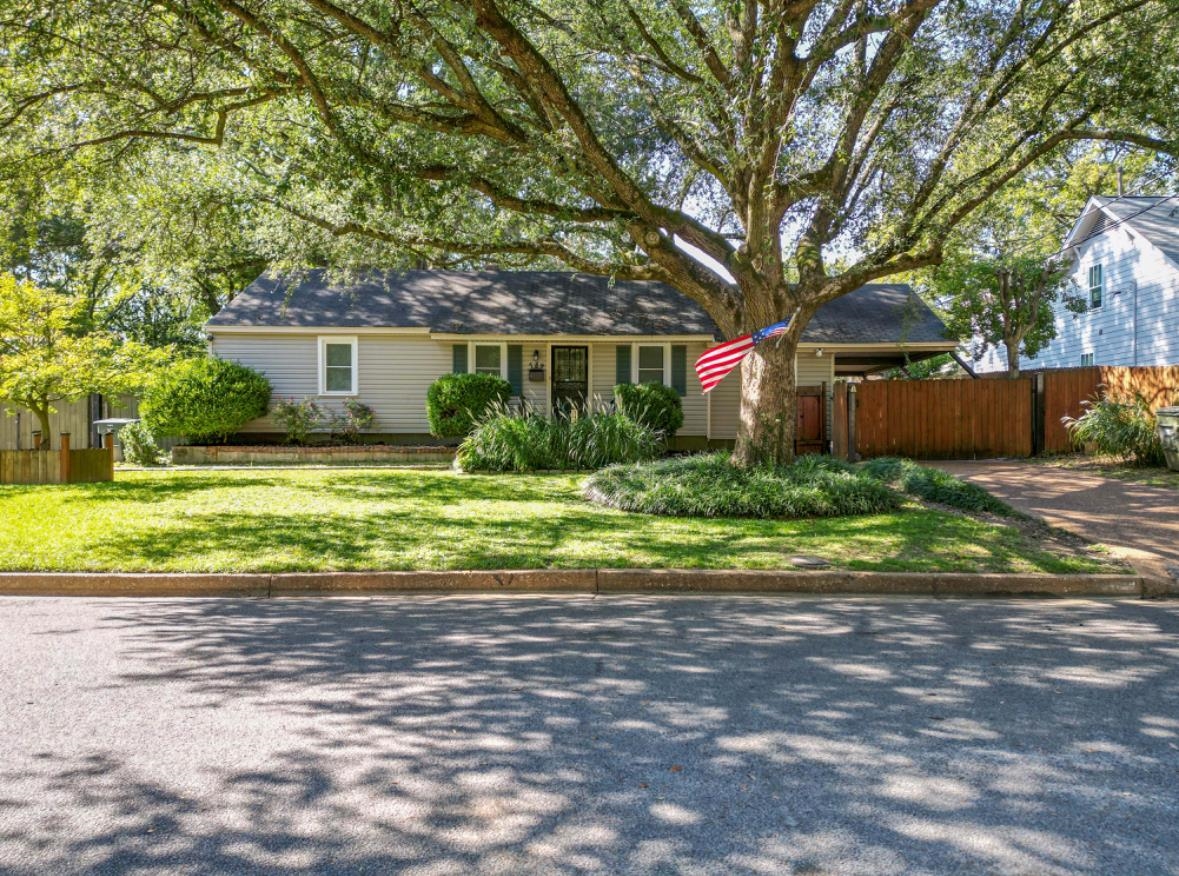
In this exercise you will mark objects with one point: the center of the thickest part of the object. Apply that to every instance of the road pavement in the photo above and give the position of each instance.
(527, 734)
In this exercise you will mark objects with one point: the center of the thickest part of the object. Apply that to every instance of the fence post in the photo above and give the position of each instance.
(108, 444)
(63, 467)
(1038, 437)
(852, 454)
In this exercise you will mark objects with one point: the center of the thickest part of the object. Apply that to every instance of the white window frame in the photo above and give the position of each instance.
(503, 356)
(1088, 364)
(634, 362)
(1100, 266)
(351, 340)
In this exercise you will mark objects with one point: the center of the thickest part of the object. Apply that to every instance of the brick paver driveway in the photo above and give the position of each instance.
(1131, 516)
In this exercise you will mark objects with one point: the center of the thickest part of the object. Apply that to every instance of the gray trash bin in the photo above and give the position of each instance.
(1168, 426)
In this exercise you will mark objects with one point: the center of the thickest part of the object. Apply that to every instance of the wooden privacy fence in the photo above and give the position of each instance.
(943, 419)
(967, 419)
(61, 466)
(1063, 391)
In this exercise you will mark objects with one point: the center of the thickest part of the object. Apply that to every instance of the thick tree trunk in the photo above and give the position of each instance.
(769, 404)
(1012, 345)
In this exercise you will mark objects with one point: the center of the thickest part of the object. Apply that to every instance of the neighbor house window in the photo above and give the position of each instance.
(337, 366)
(1096, 285)
(1086, 360)
(652, 364)
(489, 359)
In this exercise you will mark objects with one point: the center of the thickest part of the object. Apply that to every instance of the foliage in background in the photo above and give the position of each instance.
(357, 417)
(524, 442)
(1124, 427)
(456, 402)
(139, 447)
(298, 419)
(942, 365)
(654, 405)
(709, 485)
(1005, 299)
(935, 485)
(600, 136)
(204, 400)
(48, 355)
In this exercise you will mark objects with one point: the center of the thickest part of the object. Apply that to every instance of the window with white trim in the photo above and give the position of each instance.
(1086, 360)
(652, 364)
(337, 366)
(1096, 286)
(489, 359)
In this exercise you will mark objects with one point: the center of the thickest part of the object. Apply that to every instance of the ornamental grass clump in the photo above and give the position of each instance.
(709, 485)
(521, 442)
(1121, 427)
(935, 485)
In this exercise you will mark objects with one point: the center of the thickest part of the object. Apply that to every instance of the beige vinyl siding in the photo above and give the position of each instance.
(812, 370)
(536, 395)
(395, 372)
(603, 373)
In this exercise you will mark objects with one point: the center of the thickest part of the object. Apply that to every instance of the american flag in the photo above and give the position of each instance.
(715, 362)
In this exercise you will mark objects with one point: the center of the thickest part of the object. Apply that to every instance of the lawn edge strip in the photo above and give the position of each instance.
(584, 581)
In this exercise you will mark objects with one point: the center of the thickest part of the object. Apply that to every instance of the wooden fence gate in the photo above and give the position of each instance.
(944, 419)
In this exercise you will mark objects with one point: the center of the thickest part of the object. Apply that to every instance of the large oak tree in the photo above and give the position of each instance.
(735, 149)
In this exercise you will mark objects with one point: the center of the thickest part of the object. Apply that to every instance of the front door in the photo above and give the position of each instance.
(570, 371)
(811, 435)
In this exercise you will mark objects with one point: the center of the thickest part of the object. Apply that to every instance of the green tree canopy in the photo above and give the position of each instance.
(45, 358)
(730, 149)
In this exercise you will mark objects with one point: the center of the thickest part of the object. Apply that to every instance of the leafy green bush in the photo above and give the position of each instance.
(656, 406)
(456, 402)
(935, 485)
(139, 447)
(204, 400)
(709, 485)
(298, 419)
(1122, 427)
(531, 442)
(357, 417)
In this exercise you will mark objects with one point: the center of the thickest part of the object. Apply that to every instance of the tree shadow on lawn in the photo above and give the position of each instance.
(576, 538)
(445, 735)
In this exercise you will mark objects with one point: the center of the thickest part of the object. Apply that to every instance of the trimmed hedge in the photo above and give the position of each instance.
(935, 485)
(654, 405)
(709, 485)
(455, 403)
(204, 400)
(530, 442)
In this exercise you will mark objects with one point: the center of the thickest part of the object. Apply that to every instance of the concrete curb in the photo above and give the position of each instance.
(585, 581)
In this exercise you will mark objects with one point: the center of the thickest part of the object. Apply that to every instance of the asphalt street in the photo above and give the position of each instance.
(524, 734)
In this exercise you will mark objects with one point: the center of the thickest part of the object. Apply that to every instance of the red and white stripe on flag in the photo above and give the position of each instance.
(715, 362)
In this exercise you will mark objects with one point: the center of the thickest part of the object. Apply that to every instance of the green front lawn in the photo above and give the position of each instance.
(344, 519)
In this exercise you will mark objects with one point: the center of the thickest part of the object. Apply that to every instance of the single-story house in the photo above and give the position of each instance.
(560, 338)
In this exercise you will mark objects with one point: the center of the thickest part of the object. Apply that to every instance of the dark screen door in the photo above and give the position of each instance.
(570, 379)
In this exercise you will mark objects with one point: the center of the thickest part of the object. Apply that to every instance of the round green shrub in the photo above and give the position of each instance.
(204, 400)
(709, 485)
(530, 442)
(654, 405)
(456, 402)
(139, 447)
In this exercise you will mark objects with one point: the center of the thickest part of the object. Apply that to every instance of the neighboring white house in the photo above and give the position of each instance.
(1125, 263)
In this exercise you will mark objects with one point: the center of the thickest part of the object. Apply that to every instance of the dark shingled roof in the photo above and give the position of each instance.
(545, 303)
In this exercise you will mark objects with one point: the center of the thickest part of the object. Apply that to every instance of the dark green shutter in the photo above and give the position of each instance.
(679, 369)
(622, 364)
(460, 359)
(516, 368)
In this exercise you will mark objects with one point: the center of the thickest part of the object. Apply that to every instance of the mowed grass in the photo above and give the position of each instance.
(350, 519)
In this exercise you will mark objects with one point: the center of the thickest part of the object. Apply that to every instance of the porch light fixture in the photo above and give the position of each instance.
(819, 353)
(535, 363)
